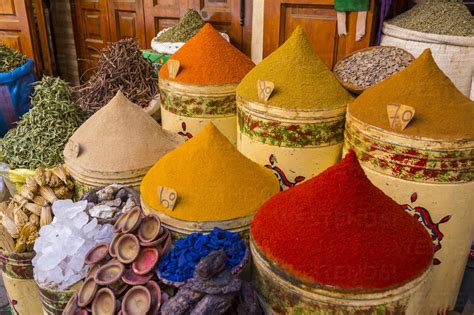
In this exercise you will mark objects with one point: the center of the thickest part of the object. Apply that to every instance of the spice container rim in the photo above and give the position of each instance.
(333, 293)
(197, 89)
(352, 87)
(401, 139)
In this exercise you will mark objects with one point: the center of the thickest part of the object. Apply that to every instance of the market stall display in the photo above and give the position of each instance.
(298, 131)
(427, 166)
(203, 89)
(215, 186)
(213, 290)
(121, 67)
(121, 278)
(40, 136)
(118, 144)
(366, 67)
(22, 218)
(61, 250)
(444, 26)
(17, 73)
(350, 252)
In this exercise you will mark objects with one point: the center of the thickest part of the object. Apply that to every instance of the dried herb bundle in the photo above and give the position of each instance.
(10, 59)
(121, 67)
(42, 133)
(187, 27)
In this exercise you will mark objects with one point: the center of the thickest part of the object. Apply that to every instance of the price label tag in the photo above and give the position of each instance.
(265, 89)
(168, 197)
(399, 116)
(173, 68)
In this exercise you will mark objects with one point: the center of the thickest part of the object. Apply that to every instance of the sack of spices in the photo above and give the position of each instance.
(444, 26)
(17, 73)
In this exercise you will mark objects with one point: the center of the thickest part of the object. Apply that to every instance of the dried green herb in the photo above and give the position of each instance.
(121, 67)
(10, 59)
(187, 27)
(42, 133)
(444, 17)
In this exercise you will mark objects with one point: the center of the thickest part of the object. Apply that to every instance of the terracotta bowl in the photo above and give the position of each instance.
(131, 278)
(162, 237)
(155, 294)
(109, 273)
(87, 292)
(117, 228)
(71, 306)
(127, 248)
(132, 221)
(112, 245)
(136, 301)
(145, 261)
(81, 311)
(97, 254)
(93, 270)
(104, 302)
(118, 287)
(149, 228)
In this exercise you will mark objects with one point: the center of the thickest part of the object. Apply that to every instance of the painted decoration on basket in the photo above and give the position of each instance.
(285, 183)
(424, 217)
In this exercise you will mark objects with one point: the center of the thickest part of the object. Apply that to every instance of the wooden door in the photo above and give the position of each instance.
(318, 18)
(230, 16)
(15, 17)
(126, 20)
(91, 33)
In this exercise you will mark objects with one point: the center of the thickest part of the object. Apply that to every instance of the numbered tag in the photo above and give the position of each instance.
(399, 116)
(265, 89)
(173, 68)
(168, 197)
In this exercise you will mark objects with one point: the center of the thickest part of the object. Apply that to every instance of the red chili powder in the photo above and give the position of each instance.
(338, 229)
(208, 58)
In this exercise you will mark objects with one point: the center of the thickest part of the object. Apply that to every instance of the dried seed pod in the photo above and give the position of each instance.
(10, 226)
(39, 176)
(3, 207)
(69, 184)
(60, 172)
(31, 182)
(47, 177)
(34, 219)
(28, 192)
(62, 192)
(55, 181)
(39, 201)
(33, 208)
(46, 216)
(48, 194)
(20, 247)
(20, 218)
(20, 200)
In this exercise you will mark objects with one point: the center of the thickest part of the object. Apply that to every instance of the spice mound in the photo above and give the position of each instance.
(120, 67)
(118, 138)
(212, 179)
(10, 59)
(368, 67)
(338, 229)
(186, 28)
(180, 263)
(422, 85)
(41, 134)
(301, 79)
(444, 17)
(208, 59)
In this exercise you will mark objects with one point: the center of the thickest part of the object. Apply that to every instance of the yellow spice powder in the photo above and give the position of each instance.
(213, 180)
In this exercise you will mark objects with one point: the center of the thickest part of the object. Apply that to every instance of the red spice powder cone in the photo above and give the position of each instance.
(208, 59)
(338, 229)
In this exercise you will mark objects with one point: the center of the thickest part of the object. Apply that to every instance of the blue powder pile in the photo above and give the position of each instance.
(179, 263)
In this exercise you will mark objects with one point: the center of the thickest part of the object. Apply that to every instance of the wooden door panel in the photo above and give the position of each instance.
(126, 20)
(12, 39)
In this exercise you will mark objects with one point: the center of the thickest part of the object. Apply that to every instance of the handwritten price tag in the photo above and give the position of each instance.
(168, 197)
(399, 116)
(265, 89)
(173, 68)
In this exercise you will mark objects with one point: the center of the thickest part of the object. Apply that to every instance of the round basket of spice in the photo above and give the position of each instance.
(366, 67)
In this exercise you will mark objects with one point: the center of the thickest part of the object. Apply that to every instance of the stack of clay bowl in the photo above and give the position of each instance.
(118, 144)
(122, 278)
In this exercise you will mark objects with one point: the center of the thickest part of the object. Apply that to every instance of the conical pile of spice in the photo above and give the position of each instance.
(120, 138)
(339, 230)
(189, 25)
(301, 79)
(208, 59)
(212, 179)
(441, 110)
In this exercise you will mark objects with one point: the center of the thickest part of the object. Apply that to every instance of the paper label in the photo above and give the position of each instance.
(168, 197)
(399, 116)
(173, 68)
(265, 89)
